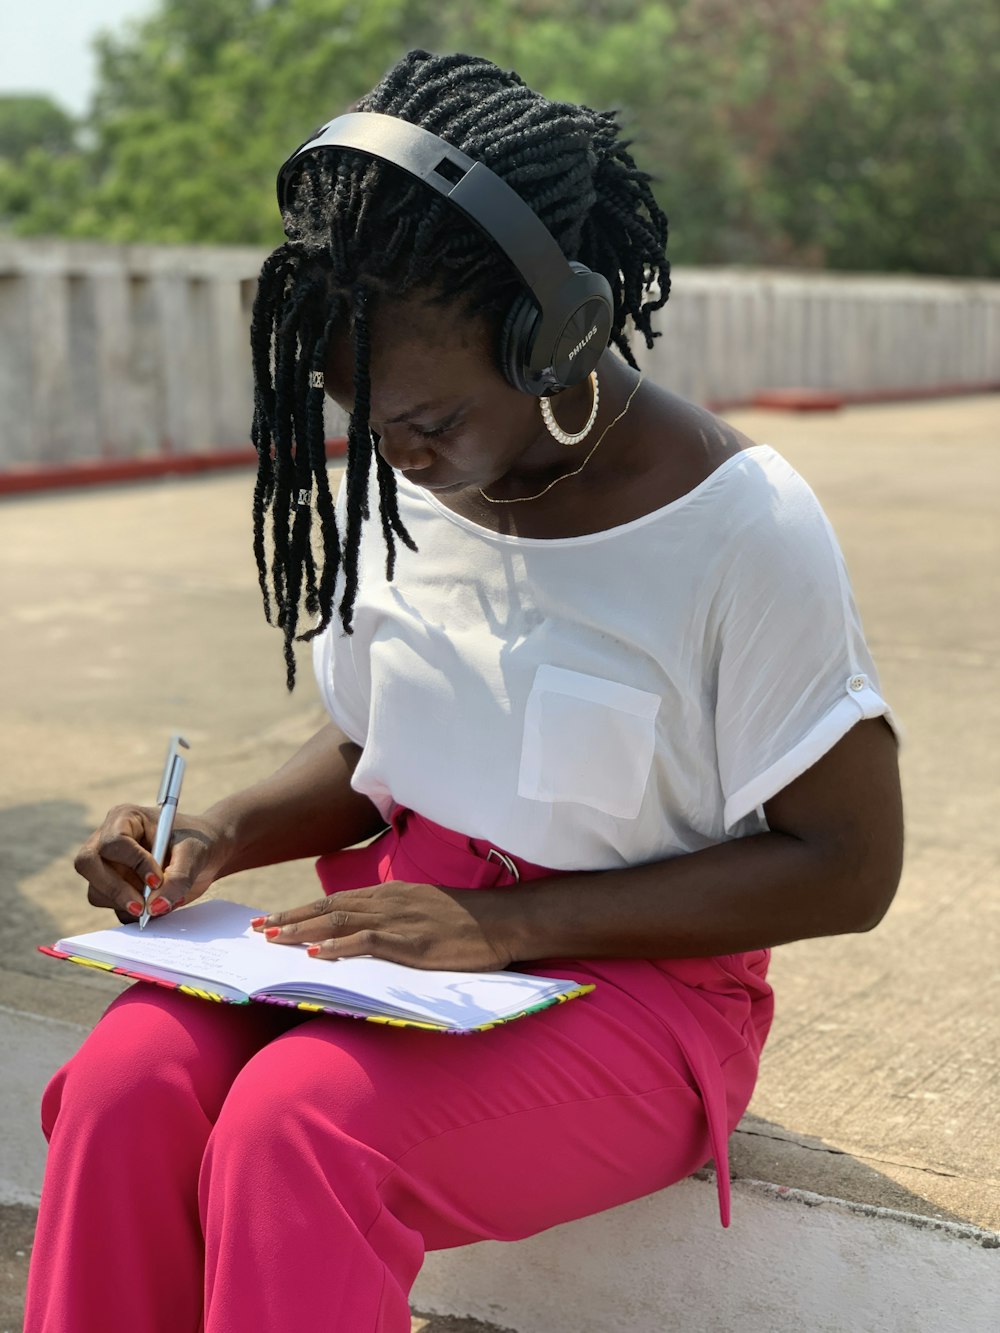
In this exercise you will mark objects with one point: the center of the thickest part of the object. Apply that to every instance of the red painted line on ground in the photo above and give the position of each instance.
(934, 391)
(104, 471)
(830, 400)
(798, 400)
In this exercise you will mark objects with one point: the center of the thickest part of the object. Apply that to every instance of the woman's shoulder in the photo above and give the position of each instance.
(735, 503)
(687, 451)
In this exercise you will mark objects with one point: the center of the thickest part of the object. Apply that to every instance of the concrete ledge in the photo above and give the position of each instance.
(31, 1049)
(792, 1260)
(660, 1264)
(857, 1270)
(17, 1229)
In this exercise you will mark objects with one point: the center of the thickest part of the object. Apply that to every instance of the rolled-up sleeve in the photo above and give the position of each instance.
(794, 670)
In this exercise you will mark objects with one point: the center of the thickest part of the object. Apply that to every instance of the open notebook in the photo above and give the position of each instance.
(210, 950)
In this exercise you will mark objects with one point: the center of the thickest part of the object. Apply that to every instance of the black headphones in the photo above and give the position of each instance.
(555, 332)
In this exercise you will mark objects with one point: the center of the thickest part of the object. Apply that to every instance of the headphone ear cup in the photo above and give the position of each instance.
(516, 337)
(543, 352)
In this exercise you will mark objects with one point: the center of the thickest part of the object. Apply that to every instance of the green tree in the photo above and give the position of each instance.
(853, 133)
(30, 120)
(199, 104)
(196, 106)
(42, 169)
(895, 164)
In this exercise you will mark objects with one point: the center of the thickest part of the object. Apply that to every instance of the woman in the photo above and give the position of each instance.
(609, 700)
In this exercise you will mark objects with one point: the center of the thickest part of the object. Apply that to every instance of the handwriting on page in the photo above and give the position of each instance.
(211, 940)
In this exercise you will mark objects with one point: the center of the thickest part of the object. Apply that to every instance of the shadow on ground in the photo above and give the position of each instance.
(35, 837)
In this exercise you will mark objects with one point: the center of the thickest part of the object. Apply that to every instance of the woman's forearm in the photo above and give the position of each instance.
(829, 865)
(751, 893)
(306, 808)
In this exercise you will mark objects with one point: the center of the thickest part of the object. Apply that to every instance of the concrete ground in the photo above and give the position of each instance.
(128, 613)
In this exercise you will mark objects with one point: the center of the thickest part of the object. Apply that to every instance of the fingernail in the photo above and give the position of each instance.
(134, 908)
(153, 880)
(273, 933)
(312, 950)
(159, 907)
(257, 921)
(179, 903)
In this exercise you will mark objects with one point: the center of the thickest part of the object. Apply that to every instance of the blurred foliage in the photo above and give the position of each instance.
(28, 121)
(855, 134)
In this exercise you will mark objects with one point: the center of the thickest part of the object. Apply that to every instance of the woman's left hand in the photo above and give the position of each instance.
(417, 924)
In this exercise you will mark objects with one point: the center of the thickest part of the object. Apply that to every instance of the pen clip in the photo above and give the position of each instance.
(173, 768)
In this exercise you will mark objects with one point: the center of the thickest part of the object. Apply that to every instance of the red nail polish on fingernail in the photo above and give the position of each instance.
(313, 950)
(134, 908)
(159, 907)
(179, 903)
(256, 921)
(153, 880)
(273, 932)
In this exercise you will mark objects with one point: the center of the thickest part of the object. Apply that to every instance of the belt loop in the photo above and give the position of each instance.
(511, 868)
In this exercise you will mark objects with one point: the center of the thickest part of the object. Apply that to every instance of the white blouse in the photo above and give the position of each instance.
(606, 700)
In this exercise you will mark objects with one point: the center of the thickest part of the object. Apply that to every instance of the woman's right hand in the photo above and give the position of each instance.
(308, 807)
(117, 863)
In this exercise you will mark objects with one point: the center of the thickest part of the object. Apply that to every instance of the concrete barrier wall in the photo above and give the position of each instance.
(729, 334)
(131, 351)
(122, 351)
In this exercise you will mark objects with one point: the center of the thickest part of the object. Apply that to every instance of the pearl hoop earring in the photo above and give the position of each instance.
(553, 427)
(520, 499)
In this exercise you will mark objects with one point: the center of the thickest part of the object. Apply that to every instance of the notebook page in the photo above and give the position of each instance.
(212, 941)
(209, 941)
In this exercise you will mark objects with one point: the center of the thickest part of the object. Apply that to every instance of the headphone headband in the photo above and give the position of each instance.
(489, 201)
(560, 345)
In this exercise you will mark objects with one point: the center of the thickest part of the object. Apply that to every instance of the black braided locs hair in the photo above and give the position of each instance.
(358, 227)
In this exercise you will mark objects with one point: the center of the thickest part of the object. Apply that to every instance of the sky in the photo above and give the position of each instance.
(45, 45)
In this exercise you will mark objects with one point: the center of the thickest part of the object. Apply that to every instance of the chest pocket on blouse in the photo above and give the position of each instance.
(587, 740)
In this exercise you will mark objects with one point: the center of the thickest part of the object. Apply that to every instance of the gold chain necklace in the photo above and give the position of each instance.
(522, 499)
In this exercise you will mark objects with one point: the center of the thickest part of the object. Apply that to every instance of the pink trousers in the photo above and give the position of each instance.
(222, 1168)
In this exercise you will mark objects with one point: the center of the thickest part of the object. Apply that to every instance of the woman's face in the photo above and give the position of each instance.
(446, 417)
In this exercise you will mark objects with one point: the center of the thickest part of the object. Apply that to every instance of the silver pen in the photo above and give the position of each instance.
(166, 798)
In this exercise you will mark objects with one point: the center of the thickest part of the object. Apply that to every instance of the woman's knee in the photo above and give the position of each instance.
(152, 1051)
(321, 1094)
